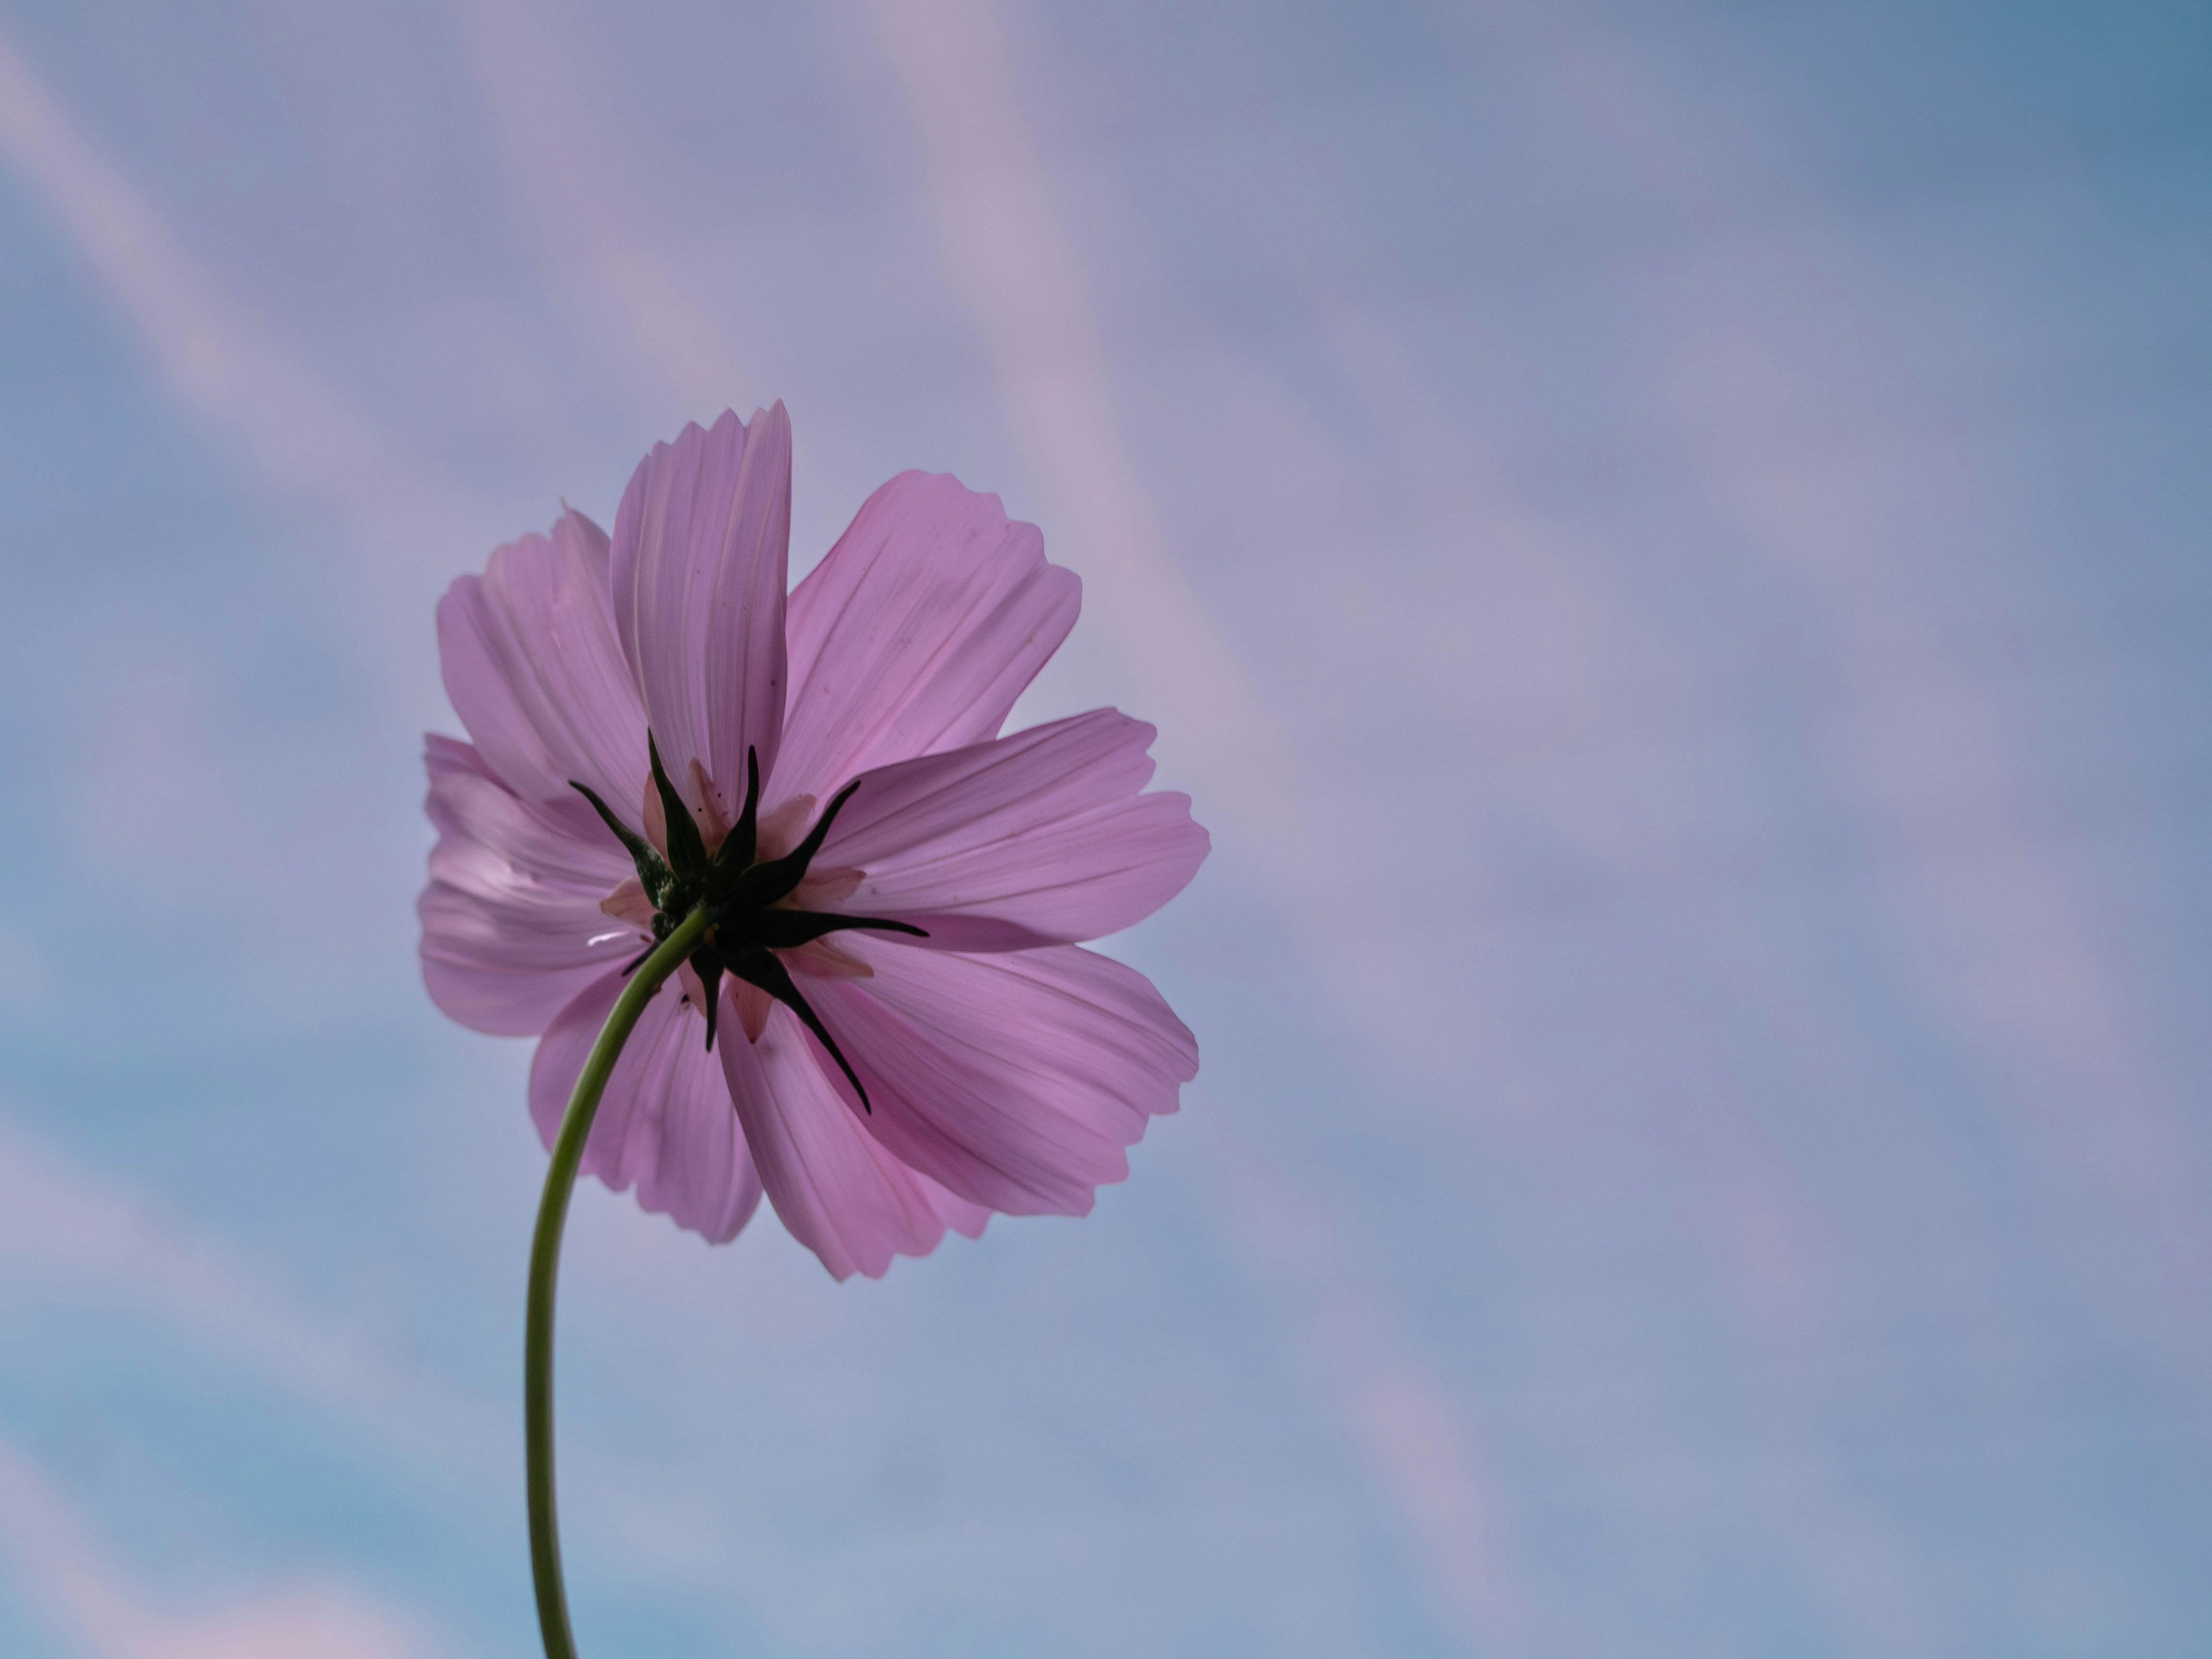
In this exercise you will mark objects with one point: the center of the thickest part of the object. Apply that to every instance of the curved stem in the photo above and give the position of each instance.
(545, 1267)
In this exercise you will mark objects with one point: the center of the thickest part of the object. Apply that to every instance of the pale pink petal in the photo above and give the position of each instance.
(824, 884)
(753, 1005)
(694, 992)
(838, 1191)
(784, 826)
(1040, 838)
(512, 923)
(700, 547)
(664, 1123)
(824, 960)
(533, 669)
(714, 822)
(916, 633)
(628, 902)
(1014, 1079)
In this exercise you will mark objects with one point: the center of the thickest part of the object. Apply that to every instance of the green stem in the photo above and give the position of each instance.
(545, 1268)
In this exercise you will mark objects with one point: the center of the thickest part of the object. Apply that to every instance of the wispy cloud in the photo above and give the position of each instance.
(298, 435)
(70, 1237)
(87, 1598)
(577, 192)
(1008, 258)
(67, 1233)
(1397, 1413)
(2000, 940)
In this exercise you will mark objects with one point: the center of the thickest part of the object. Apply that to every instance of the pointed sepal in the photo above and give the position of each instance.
(758, 966)
(764, 883)
(786, 930)
(735, 856)
(707, 965)
(687, 853)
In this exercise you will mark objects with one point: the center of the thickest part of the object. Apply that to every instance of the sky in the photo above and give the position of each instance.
(1667, 543)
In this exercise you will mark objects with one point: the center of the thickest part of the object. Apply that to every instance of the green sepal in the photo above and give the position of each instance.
(764, 883)
(687, 854)
(735, 856)
(708, 964)
(784, 930)
(737, 892)
(758, 966)
(653, 872)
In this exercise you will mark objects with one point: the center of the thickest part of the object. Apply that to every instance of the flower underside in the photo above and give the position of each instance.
(742, 896)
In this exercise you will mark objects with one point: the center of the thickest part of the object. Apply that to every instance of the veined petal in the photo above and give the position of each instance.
(916, 633)
(698, 566)
(839, 1192)
(1040, 838)
(512, 927)
(1014, 1079)
(664, 1123)
(533, 668)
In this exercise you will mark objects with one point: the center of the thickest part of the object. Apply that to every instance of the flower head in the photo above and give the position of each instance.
(889, 1026)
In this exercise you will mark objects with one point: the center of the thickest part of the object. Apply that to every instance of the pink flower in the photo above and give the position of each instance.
(894, 1031)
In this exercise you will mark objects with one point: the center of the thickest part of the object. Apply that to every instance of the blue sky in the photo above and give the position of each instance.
(1667, 544)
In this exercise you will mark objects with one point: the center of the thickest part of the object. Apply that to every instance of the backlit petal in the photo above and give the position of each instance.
(513, 911)
(1039, 838)
(1014, 1079)
(533, 669)
(664, 1123)
(916, 633)
(838, 1191)
(698, 566)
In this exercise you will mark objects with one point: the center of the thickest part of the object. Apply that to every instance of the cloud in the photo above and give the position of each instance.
(229, 368)
(66, 1232)
(1414, 1434)
(1008, 259)
(92, 1243)
(572, 180)
(1007, 255)
(1933, 763)
(81, 1593)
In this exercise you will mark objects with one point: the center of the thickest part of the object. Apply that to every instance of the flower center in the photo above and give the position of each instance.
(746, 897)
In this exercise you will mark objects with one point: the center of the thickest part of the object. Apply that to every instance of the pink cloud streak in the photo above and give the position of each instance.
(82, 1592)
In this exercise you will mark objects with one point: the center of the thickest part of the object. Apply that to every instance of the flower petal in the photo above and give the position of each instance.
(1014, 1079)
(700, 542)
(1040, 838)
(916, 633)
(512, 923)
(533, 669)
(839, 1192)
(664, 1123)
